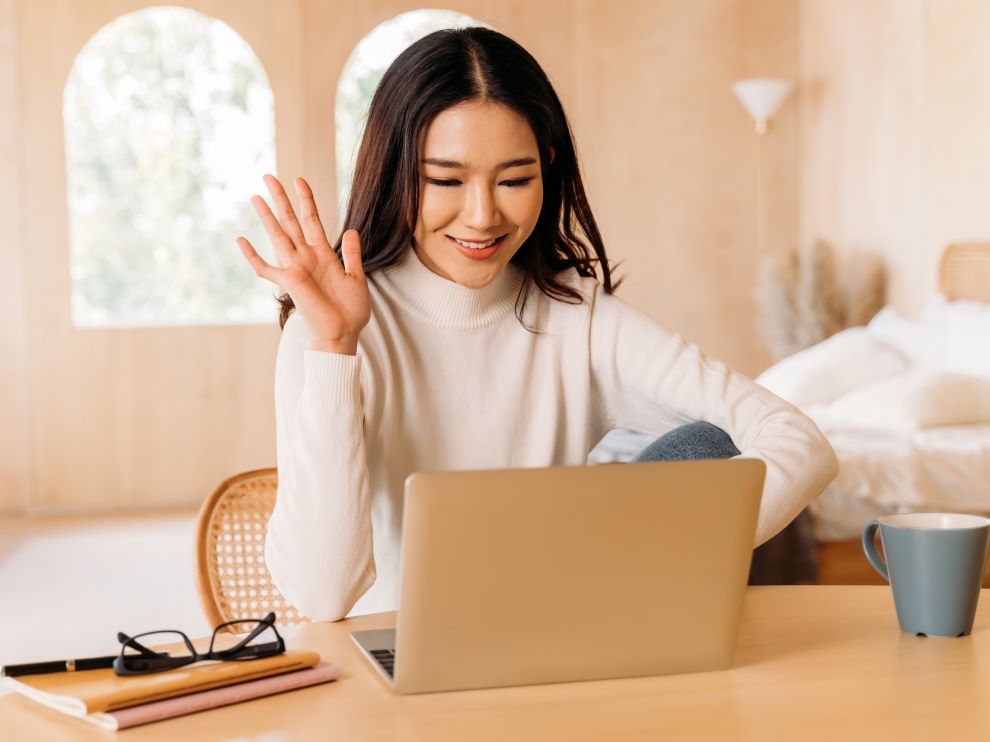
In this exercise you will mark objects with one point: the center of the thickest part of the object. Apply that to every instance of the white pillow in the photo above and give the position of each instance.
(831, 368)
(965, 326)
(921, 341)
(912, 400)
(941, 308)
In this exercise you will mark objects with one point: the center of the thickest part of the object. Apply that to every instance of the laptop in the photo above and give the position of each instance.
(522, 576)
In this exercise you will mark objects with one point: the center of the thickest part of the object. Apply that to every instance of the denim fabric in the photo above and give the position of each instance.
(789, 557)
(690, 442)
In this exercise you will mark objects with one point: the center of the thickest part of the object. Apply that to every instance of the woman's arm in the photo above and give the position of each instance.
(319, 544)
(646, 377)
(318, 547)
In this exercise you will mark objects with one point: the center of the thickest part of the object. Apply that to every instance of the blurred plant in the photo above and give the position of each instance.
(804, 297)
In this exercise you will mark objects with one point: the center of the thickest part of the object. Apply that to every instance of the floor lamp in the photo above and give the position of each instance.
(761, 97)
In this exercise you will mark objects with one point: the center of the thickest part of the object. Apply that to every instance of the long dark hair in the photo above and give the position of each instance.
(442, 70)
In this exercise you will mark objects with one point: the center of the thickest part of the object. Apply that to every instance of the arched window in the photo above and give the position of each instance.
(365, 67)
(169, 122)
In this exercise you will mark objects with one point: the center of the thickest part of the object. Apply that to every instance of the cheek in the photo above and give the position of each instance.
(437, 209)
(537, 202)
(526, 207)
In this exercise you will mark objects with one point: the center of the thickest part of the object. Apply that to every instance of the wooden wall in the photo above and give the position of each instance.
(671, 155)
(860, 100)
(145, 418)
(125, 418)
(16, 390)
(895, 160)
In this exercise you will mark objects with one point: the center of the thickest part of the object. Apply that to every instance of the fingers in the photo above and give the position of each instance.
(281, 199)
(351, 251)
(261, 268)
(283, 244)
(312, 225)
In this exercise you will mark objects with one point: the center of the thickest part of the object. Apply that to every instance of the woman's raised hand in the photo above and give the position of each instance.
(333, 299)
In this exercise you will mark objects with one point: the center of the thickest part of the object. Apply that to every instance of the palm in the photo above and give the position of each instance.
(333, 299)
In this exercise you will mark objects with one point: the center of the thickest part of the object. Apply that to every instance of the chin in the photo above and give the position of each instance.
(472, 279)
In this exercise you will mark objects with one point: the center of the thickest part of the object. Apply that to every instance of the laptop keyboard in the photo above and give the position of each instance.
(385, 658)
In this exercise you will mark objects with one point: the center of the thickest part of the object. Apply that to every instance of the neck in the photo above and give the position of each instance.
(443, 302)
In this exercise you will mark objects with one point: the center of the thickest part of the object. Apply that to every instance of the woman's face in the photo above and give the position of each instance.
(480, 180)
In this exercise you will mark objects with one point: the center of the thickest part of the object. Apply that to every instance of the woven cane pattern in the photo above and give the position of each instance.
(965, 272)
(240, 582)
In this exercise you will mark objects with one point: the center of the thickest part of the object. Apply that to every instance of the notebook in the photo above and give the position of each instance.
(98, 694)
(145, 713)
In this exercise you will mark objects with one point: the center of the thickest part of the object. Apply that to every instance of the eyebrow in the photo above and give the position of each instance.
(454, 164)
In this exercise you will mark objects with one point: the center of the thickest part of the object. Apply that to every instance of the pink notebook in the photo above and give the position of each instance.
(209, 699)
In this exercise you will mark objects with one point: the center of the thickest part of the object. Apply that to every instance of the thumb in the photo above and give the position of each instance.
(350, 250)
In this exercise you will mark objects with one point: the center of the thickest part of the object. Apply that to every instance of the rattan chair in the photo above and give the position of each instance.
(231, 575)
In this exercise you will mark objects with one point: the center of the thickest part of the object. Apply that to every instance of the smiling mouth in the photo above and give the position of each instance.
(477, 245)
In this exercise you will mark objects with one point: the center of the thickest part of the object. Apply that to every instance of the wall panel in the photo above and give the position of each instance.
(863, 173)
(155, 417)
(136, 418)
(671, 156)
(956, 116)
(16, 299)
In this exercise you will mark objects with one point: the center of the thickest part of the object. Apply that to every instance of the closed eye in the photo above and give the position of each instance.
(450, 183)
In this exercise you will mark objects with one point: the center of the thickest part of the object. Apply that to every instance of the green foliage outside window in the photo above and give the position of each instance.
(169, 125)
(364, 69)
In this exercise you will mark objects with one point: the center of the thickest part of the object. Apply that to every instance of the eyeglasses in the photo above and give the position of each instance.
(135, 658)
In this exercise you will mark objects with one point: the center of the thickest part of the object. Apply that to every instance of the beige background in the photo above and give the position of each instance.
(881, 148)
(894, 105)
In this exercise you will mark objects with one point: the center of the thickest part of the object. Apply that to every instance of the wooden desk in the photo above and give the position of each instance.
(813, 662)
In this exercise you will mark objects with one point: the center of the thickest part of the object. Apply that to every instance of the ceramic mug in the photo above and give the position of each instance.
(934, 564)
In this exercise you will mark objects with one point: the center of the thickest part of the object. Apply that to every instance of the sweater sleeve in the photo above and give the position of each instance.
(647, 378)
(319, 544)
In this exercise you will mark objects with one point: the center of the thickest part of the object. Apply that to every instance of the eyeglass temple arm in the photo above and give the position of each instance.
(134, 644)
(268, 622)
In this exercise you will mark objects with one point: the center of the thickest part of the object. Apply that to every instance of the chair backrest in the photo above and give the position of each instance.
(231, 575)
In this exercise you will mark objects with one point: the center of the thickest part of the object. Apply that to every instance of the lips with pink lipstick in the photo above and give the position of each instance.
(477, 249)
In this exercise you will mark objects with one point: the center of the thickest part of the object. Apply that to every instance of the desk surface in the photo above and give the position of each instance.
(812, 661)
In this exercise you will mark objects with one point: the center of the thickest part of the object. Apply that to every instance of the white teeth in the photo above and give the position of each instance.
(476, 245)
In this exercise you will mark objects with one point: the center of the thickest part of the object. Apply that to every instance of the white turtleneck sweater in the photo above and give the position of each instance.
(447, 378)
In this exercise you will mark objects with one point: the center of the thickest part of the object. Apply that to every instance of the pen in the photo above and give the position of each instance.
(40, 668)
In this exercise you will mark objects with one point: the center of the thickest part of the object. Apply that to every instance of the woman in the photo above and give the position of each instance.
(465, 326)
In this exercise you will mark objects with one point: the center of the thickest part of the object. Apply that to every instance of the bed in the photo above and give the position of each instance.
(905, 403)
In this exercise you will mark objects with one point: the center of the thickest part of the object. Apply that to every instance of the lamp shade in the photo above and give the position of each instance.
(761, 96)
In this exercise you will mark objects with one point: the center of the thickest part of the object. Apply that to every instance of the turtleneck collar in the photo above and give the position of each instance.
(445, 303)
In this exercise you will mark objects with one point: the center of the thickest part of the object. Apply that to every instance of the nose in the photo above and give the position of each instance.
(481, 211)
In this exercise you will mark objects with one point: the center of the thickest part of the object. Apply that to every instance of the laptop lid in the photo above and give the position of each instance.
(519, 576)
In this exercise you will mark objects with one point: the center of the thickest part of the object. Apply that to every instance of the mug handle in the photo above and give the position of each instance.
(870, 547)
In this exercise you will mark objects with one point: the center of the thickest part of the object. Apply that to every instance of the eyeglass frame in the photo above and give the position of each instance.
(162, 661)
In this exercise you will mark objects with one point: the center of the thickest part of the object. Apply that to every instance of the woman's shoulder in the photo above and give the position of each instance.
(584, 303)
(607, 311)
(592, 296)
(587, 288)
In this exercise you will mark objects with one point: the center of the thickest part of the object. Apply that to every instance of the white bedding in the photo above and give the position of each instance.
(882, 472)
(892, 398)
(910, 435)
